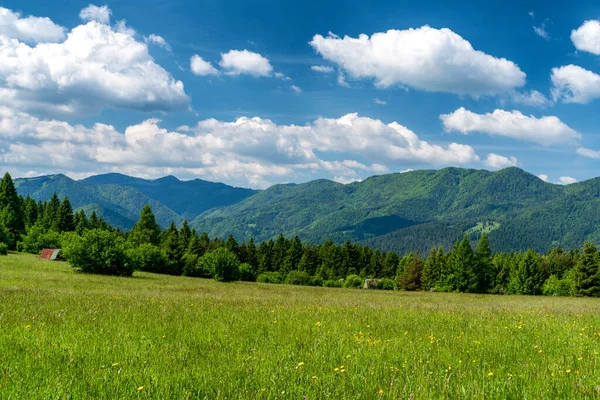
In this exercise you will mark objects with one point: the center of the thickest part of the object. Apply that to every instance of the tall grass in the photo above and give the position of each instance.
(70, 335)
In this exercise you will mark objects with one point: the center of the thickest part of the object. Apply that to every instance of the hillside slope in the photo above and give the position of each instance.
(420, 209)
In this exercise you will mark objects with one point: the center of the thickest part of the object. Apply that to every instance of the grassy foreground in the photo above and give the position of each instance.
(69, 335)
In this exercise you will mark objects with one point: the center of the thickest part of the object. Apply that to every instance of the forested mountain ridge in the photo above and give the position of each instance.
(401, 212)
(420, 209)
(118, 198)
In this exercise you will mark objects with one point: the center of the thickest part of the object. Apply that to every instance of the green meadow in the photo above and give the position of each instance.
(70, 335)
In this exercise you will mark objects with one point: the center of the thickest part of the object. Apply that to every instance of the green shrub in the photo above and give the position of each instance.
(246, 273)
(3, 249)
(353, 282)
(301, 278)
(269, 277)
(221, 263)
(316, 281)
(385, 284)
(337, 283)
(37, 239)
(99, 252)
(559, 287)
(149, 258)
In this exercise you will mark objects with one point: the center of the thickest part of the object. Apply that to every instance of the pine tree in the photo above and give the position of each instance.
(587, 272)
(30, 209)
(483, 252)
(50, 220)
(433, 269)
(185, 235)
(410, 278)
(463, 267)
(251, 257)
(293, 256)
(527, 277)
(146, 230)
(170, 244)
(232, 245)
(11, 213)
(64, 217)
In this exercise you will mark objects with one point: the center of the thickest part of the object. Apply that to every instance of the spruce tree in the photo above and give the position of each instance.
(463, 268)
(483, 252)
(232, 245)
(433, 269)
(65, 218)
(251, 256)
(292, 256)
(30, 209)
(11, 213)
(146, 230)
(50, 220)
(185, 235)
(587, 272)
(171, 246)
(389, 265)
(527, 277)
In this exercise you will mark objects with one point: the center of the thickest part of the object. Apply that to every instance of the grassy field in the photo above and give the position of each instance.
(70, 335)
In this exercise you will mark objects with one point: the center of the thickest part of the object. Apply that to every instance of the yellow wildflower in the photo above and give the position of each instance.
(140, 388)
(300, 364)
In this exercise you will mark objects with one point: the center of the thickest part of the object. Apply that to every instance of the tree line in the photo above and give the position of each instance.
(92, 245)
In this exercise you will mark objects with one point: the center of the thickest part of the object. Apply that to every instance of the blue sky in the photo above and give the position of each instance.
(294, 91)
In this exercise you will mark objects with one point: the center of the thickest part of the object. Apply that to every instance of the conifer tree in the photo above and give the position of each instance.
(463, 268)
(11, 214)
(232, 245)
(309, 262)
(527, 277)
(146, 230)
(587, 272)
(410, 278)
(390, 265)
(64, 217)
(251, 257)
(483, 252)
(170, 244)
(185, 235)
(433, 269)
(30, 210)
(292, 256)
(50, 220)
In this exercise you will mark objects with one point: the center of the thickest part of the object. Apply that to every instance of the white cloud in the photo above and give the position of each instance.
(29, 29)
(158, 40)
(588, 152)
(543, 177)
(247, 151)
(435, 60)
(541, 31)
(531, 14)
(296, 89)
(566, 180)
(322, 68)
(238, 62)
(377, 100)
(573, 84)
(532, 99)
(548, 130)
(587, 37)
(497, 161)
(95, 13)
(200, 67)
(341, 80)
(95, 67)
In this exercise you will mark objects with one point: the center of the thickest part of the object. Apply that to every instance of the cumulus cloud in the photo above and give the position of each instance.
(238, 62)
(543, 177)
(589, 153)
(548, 130)
(345, 180)
(200, 67)
(566, 180)
(573, 84)
(247, 151)
(531, 99)
(29, 29)
(587, 37)
(95, 67)
(322, 68)
(158, 40)
(435, 60)
(496, 161)
(296, 89)
(95, 13)
(377, 100)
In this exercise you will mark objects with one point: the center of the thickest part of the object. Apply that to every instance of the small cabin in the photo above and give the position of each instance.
(50, 254)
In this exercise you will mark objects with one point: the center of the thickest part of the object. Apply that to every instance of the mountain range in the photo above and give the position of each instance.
(406, 211)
